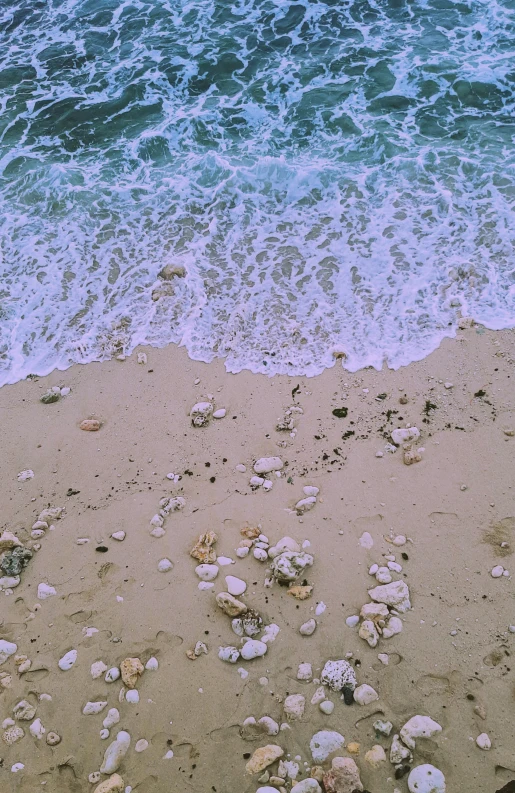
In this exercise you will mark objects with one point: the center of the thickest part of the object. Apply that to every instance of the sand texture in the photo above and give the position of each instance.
(452, 661)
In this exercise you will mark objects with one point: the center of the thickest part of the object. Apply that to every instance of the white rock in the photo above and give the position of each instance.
(68, 660)
(324, 743)
(383, 575)
(373, 569)
(308, 785)
(399, 540)
(45, 591)
(92, 708)
(256, 481)
(304, 672)
(241, 468)
(327, 707)
(366, 540)
(399, 752)
(392, 628)
(112, 718)
(204, 585)
(115, 753)
(200, 413)
(104, 734)
(229, 654)
(310, 490)
(94, 777)
(267, 485)
(157, 521)
(394, 567)
(132, 696)
(260, 554)
(152, 664)
(289, 768)
(267, 464)
(305, 504)
(112, 674)
(337, 674)
(118, 535)
(17, 767)
(270, 633)
(168, 755)
(384, 658)
(36, 729)
(418, 727)
(243, 673)
(9, 582)
(294, 705)
(220, 414)
(164, 565)
(395, 594)
(266, 789)
(352, 621)
(157, 532)
(253, 648)
(23, 476)
(235, 586)
(426, 779)
(365, 694)
(141, 745)
(289, 565)
(207, 572)
(142, 358)
(224, 561)
(284, 544)
(320, 608)
(497, 571)
(483, 741)
(318, 696)
(405, 435)
(375, 756)
(308, 628)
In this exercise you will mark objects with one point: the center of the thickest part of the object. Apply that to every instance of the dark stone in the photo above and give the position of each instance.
(401, 771)
(348, 695)
(340, 413)
(50, 397)
(509, 788)
(15, 561)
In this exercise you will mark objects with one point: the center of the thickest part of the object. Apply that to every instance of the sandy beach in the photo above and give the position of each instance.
(452, 660)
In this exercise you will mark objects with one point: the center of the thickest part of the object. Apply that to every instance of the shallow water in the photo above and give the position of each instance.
(331, 175)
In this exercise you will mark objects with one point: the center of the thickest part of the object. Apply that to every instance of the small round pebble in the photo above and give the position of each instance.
(112, 674)
(484, 742)
(352, 621)
(132, 696)
(327, 707)
(497, 571)
(141, 745)
(164, 565)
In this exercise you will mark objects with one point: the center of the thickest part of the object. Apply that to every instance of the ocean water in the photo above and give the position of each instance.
(330, 175)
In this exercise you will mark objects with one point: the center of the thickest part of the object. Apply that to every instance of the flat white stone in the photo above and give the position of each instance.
(294, 705)
(241, 468)
(68, 660)
(327, 707)
(164, 565)
(207, 572)
(253, 649)
(92, 708)
(267, 464)
(220, 414)
(112, 718)
(426, 779)
(373, 569)
(310, 490)
(203, 585)
(352, 621)
(256, 481)
(365, 694)
(366, 540)
(45, 591)
(318, 696)
(235, 586)
(132, 696)
(260, 554)
(497, 571)
(308, 628)
(483, 741)
(241, 553)
(270, 633)
(229, 654)
(104, 734)
(304, 672)
(36, 729)
(395, 594)
(115, 753)
(383, 575)
(324, 743)
(17, 767)
(118, 535)
(224, 561)
(320, 608)
(152, 664)
(23, 476)
(112, 674)
(405, 435)
(418, 727)
(141, 745)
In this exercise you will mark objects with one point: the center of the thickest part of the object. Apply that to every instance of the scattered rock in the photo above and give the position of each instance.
(392, 628)
(220, 414)
(497, 571)
(229, 654)
(253, 648)
(352, 621)
(383, 575)
(118, 535)
(366, 540)
(338, 674)
(68, 660)
(405, 435)
(12, 734)
(308, 628)
(426, 779)
(92, 708)
(418, 727)
(164, 565)
(15, 560)
(369, 632)
(229, 604)
(375, 756)
(45, 591)
(51, 396)
(483, 741)
(305, 672)
(115, 753)
(398, 752)
(235, 586)
(114, 784)
(395, 594)
(284, 544)
(90, 425)
(131, 670)
(207, 572)
(305, 504)
(263, 757)
(112, 718)
(343, 777)
(24, 711)
(37, 730)
(53, 739)
(324, 743)
(308, 785)
(294, 705)
(300, 592)
(169, 272)
(141, 358)
(327, 707)
(112, 674)
(365, 694)
(383, 727)
(24, 476)
(203, 549)
(290, 564)
(266, 465)
(249, 625)
(201, 413)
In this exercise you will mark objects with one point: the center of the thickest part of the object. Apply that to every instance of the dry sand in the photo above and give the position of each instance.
(457, 506)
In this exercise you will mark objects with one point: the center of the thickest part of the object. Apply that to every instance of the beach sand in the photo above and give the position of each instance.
(452, 659)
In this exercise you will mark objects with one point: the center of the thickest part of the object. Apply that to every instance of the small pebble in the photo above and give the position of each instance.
(497, 571)
(327, 707)
(352, 621)
(141, 745)
(164, 565)
(235, 586)
(132, 696)
(68, 660)
(484, 742)
(308, 628)
(112, 674)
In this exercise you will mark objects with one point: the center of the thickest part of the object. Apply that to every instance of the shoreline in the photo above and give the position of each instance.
(456, 507)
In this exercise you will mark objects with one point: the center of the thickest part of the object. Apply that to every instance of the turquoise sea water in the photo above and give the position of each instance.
(330, 174)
